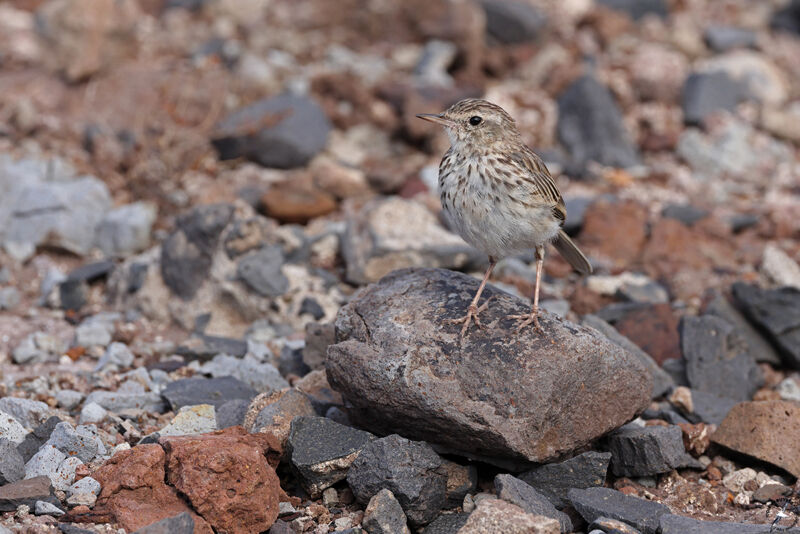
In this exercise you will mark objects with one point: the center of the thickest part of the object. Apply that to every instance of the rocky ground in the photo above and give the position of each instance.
(224, 275)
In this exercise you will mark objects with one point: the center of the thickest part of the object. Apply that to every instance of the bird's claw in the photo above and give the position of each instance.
(472, 315)
(527, 319)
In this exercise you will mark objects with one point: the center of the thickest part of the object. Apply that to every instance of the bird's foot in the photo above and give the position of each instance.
(472, 315)
(527, 319)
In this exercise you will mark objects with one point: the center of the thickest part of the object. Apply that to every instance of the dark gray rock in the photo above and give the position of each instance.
(322, 451)
(384, 515)
(590, 126)
(409, 469)
(665, 412)
(787, 18)
(115, 401)
(554, 480)
(447, 524)
(91, 272)
(777, 313)
(743, 221)
(290, 361)
(708, 408)
(685, 213)
(261, 271)
(311, 307)
(593, 503)
(717, 358)
(756, 344)
(177, 524)
(515, 491)
(12, 465)
(724, 38)
(645, 451)
(231, 413)
(215, 391)
(676, 524)
(67, 528)
(26, 492)
(511, 21)
(662, 382)
(676, 369)
(72, 294)
(707, 92)
(186, 254)
(318, 338)
(204, 347)
(284, 131)
(637, 9)
(524, 397)
(34, 440)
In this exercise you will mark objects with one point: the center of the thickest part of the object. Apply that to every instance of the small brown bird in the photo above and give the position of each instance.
(499, 195)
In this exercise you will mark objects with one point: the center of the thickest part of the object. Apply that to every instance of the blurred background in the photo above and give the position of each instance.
(237, 168)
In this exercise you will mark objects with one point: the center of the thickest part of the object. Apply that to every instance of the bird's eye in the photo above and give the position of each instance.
(475, 120)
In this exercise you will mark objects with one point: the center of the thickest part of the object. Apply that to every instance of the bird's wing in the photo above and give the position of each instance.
(540, 186)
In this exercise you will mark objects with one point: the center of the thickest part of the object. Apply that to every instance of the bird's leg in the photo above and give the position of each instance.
(533, 317)
(474, 310)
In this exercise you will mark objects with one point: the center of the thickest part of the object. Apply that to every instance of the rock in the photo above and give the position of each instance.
(82, 499)
(37, 347)
(787, 18)
(676, 524)
(34, 440)
(231, 413)
(10, 429)
(685, 213)
(554, 480)
(45, 463)
(191, 420)
(297, 202)
(97, 330)
(322, 451)
(226, 477)
(393, 344)
(80, 442)
(756, 344)
(706, 93)
(512, 22)
(654, 328)
(614, 232)
(789, 390)
(431, 69)
(515, 491)
(134, 492)
(177, 524)
(26, 492)
(214, 391)
(316, 387)
(68, 399)
(637, 9)
(393, 233)
(591, 128)
(46, 508)
(384, 515)
(662, 382)
(117, 355)
(461, 480)
(409, 469)
(318, 338)
(273, 413)
(81, 45)
(84, 485)
(705, 407)
(206, 347)
(771, 492)
(115, 401)
(593, 503)
(9, 298)
(262, 377)
(261, 271)
(767, 430)
(125, 231)
(760, 77)
(29, 413)
(284, 131)
(717, 359)
(186, 255)
(495, 515)
(776, 312)
(290, 360)
(645, 451)
(724, 38)
(606, 524)
(447, 523)
(92, 413)
(12, 466)
(780, 267)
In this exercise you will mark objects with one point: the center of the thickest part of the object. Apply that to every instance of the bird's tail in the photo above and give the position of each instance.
(571, 253)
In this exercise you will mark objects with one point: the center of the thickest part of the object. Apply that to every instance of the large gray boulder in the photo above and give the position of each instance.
(496, 393)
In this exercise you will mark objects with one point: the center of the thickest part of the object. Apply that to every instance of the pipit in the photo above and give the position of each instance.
(499, 196)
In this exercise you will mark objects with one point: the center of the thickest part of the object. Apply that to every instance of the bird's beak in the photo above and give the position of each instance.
(438, 119)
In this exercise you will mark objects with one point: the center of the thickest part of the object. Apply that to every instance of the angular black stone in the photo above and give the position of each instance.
(215, 391)
(593, 503)
(756, 344)
(322, 450)
(515, 491)
(645, 451)
(511, 21)
(555, 480)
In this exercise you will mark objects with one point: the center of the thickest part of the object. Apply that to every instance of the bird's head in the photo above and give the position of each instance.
(475, 123)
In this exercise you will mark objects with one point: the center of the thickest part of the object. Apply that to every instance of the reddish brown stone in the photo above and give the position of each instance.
(653, 328)
(614, 233)
(696, 438)
(296, 201)
(134, 492)
(226, 477)
(767, 430)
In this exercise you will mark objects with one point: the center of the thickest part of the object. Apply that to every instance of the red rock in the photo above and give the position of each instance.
(696, 438)
(226, 477)
(614, 233)
(296, 201)
(654, 329)
(767, 430)
(134, 492)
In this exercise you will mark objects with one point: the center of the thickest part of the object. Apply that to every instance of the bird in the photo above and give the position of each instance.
(499, 196)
